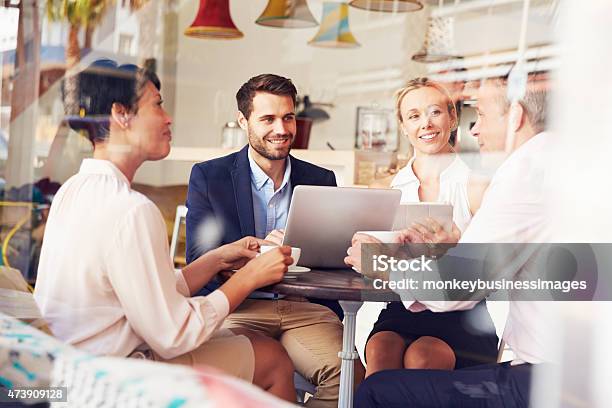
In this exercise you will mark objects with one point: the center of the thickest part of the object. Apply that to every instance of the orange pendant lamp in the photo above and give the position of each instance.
(287, 14)
(214, 21)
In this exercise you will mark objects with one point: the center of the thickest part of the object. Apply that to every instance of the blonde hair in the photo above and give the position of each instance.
(418, 83)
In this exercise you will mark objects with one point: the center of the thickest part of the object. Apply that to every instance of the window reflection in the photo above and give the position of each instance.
(41, 43)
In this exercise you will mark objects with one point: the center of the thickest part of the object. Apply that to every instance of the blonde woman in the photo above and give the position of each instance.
(417, 337)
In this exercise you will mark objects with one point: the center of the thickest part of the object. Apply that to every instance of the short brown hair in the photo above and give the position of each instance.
(425, 83)
(270, 83)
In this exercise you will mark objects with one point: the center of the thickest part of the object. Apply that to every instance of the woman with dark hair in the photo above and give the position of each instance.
(106, 283)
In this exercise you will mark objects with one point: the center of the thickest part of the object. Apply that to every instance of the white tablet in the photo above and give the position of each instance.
(323, 220)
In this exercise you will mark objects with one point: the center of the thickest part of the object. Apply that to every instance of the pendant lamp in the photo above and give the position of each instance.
(334, 31)
(213, 21)
(398, 6)
(287, 14)
(439, 42)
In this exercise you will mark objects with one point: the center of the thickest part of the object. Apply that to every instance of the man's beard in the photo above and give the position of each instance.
(259, 145)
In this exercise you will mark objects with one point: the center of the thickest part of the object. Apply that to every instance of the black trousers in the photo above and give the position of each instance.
(490, 386)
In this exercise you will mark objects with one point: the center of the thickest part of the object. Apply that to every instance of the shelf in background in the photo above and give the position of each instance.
(175, 169)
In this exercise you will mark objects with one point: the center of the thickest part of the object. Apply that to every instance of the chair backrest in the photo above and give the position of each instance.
(500, 350)
(16, 299)
(181, 213)
(498, 310)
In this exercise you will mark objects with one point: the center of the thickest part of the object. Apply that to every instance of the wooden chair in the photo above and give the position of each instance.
(179, 219)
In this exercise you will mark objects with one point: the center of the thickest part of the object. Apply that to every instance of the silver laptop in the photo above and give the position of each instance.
(323, 220)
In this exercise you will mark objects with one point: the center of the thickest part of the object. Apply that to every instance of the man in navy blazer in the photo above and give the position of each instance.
(248, 193)
(221, 188)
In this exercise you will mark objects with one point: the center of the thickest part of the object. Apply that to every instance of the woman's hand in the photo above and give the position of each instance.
(268, 268)
(262, 271)
(250, 243)
(237, 254)
(431, 233)
(353, 257)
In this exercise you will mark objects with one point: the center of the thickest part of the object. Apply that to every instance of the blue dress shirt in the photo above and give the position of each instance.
(270, 208)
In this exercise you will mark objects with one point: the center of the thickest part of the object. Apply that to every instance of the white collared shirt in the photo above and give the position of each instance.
(453, 184)
(514, 210)
(106, 283)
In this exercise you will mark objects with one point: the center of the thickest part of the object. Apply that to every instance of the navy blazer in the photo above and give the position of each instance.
(221, 189)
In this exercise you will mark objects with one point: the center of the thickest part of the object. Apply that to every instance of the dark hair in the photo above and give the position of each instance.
(89, 95)
(270, 83)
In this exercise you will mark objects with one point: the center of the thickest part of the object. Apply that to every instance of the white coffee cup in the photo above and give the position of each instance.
(386, 237)
(295, 252)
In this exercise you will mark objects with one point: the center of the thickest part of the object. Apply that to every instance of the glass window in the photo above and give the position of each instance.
(343, 60)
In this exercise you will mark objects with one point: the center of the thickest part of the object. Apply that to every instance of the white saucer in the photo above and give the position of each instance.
(298, 269)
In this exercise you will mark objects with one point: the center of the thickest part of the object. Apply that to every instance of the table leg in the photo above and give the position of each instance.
(348, 353)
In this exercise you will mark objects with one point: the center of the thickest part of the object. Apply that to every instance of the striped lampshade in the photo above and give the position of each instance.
(287, 14)
(334, 31)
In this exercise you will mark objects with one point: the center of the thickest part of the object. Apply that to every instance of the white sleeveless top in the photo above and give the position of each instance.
(453, 189)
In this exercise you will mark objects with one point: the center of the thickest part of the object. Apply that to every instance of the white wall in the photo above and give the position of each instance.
(498, 28)
(211, 71)
(207, 73)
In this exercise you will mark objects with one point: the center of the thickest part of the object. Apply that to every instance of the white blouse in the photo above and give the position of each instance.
(453, 189)
(106, 283)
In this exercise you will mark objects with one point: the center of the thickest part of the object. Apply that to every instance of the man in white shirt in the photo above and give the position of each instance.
(106, 283)
(512, 210)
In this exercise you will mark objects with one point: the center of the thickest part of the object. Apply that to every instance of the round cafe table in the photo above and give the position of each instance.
(351, 290)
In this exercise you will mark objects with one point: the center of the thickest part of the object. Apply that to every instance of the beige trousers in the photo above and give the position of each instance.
(225, 351)
(311, 334)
